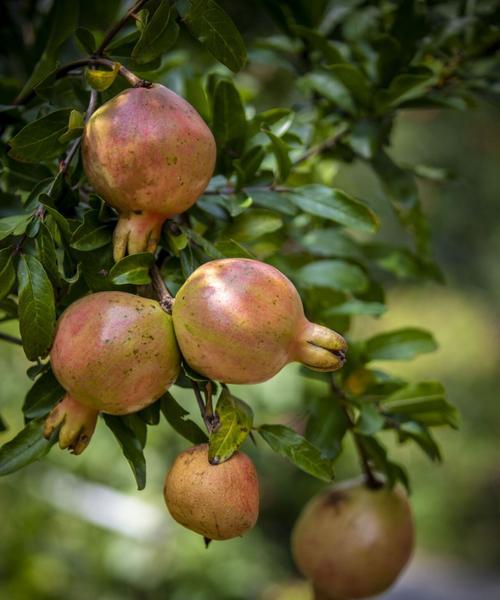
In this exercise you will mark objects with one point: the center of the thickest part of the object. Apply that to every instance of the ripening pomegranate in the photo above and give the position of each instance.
(242, 321)
(217, 501)
(150, 155)
(112, 352)
(352, 541)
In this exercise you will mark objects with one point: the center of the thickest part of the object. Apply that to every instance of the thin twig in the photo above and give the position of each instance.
(84, 62)
(10, 338)
(207, 419)
(364, 458)
(324, 146)
(117, 27)
(165, 298)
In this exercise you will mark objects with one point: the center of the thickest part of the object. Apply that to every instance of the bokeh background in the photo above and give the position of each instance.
(76, 528)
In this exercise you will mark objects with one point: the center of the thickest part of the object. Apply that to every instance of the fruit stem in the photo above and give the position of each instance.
(10, 338)
(164, 296)
(364, 459)
(207, 419)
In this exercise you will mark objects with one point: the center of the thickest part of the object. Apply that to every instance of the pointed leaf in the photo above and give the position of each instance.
(159, 35)
(402, 344)
(133, 269)
(131, 447)
(176, 416)
(28, 446)
(235, 423)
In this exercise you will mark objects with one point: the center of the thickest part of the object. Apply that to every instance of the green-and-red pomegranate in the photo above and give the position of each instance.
(113, 352)
(150, 155)
(217, 501)
(352, 541)
(242, 321)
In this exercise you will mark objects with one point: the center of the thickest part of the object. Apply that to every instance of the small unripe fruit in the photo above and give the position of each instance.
(242, 321)
(352, 541)
(217, 501)
(150, 155)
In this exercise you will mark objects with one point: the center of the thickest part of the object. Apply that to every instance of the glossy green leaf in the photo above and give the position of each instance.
(298, 450)
(15, 225)
(7, 272)
(355, 82)
(401, 344)
(46, 253)
(281, 151)
(356, 307)
(177, 418)
(335, 205)
(252, 224)
(326, 426)
(273, 201)
(39, 140)
(422, 436)
(158, 36)
(370, 420)
(133, 269)
(101, 80)
(228, 121)
(335, 274)
(235, 423)
(43, 395)
(37, 313)
(91, 234)
(28, 446)
(131, 447)
(208, 22)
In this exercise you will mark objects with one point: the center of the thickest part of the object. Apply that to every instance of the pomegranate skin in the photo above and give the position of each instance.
(352, 541)
(150, 155)
(242, 321)
(115, 352)
(217, 501)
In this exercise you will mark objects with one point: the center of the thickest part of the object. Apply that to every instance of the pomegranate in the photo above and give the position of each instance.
(241, 321)
(150, 155)
(217, 501)
(115, 352)
(352, 541)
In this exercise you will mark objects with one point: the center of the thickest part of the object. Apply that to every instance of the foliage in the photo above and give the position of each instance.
(355, 65)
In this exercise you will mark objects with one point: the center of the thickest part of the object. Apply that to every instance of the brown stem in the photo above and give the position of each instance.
(10, 338)
(328, 144)
(165, 298)
(118, 26)
(84, 62)
(364, 459)
(207, 419)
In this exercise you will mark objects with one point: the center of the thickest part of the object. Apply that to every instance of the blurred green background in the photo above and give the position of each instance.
(76, 528)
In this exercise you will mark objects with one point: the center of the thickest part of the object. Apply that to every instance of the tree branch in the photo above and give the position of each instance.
(364, 458)
(10, 338)
(118, 26)
(164, 296)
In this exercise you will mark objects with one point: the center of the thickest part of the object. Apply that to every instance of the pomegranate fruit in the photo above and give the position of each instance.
(217, 501)
(150, 155)
(352, 541)
(115, 352)
(242, 321)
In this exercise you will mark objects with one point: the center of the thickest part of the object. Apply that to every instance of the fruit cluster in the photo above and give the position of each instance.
(150, 156)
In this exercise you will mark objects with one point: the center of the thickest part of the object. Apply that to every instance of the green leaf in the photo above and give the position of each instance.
(28, 446)
(159, 35)
(356, 307)
(424, 402)
(7, 272)
(251, 225)
(272, 200)
(101, 80)
(176, 417)
(229, 121)
(335, 205)
(281, 152)
(334, 274)
(15, 225)
(39, 140)
(370, 420)
(91, 234)
(330, 88)
(44, 394)
(378, 455)
(37, 315)
(330, 242)
(298, 450)
(131, 447)
(326, 426)
(403, 87)
(3, 425)
(75, 127)
(63, 19)
(402, 344)
(86, 39)
(133, 269)
(422, 436)
(355, 82)
(214, 29)
(46, 253)
(235, 423)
